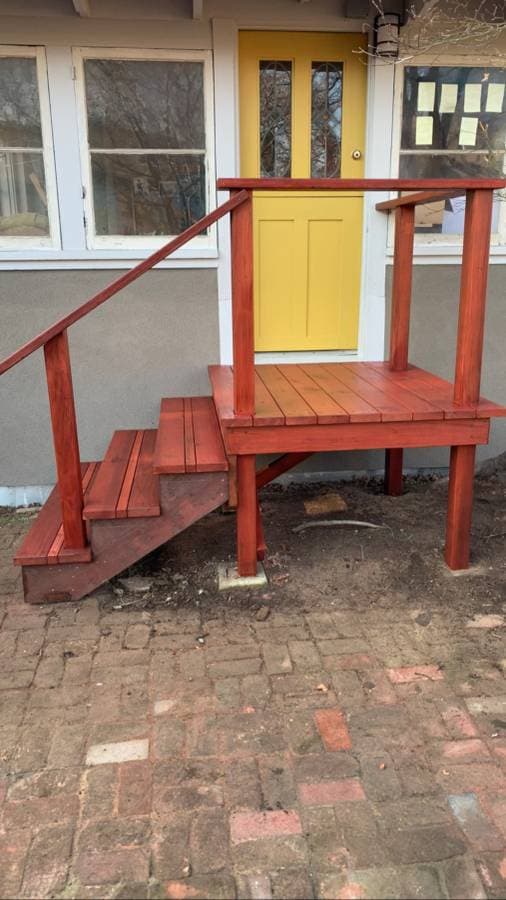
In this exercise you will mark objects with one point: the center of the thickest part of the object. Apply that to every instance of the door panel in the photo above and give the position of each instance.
(302, 113)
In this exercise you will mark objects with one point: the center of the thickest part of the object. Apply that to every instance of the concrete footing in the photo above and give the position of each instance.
(229, 578)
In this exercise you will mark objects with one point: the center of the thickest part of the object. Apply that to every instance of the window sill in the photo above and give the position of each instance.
(204, 258)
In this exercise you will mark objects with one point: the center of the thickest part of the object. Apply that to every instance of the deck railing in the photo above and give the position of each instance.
(475, 258)
(479, 194)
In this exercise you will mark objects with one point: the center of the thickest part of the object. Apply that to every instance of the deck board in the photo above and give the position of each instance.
(354, 393)
(189, 437)
(122, 488)
(357, 409)
(326, 409)
(43, 545)
(292, 404)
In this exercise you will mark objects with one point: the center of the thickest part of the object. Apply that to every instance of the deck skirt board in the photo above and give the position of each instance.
(189, 436)
(309, 394)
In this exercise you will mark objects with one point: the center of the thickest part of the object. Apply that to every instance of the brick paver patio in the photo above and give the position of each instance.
(183, 753)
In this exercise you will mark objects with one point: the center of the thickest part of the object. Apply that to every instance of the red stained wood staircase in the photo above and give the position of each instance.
(152, 484)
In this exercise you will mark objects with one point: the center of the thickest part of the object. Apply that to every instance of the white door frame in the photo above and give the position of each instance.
(378, 148)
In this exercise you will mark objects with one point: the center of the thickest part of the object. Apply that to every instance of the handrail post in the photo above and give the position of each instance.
(66, 446)
(399, 325)
(473, 295)
(241, 227)
(402, 287)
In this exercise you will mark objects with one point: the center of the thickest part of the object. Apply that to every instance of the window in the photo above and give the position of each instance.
(146, 123)
(28, 216)
(453, 125)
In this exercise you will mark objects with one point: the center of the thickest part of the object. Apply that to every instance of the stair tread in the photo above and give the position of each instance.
(189, 437)
(43, 545)
(125, 485)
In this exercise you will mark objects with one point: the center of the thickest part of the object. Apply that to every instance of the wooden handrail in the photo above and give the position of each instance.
(59, 380)
(418, 198)
(193, 231)
(360, 184)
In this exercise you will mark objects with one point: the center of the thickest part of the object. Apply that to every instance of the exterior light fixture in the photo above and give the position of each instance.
(387, 30)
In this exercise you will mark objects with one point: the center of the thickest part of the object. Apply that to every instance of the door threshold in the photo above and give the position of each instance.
(306, 356)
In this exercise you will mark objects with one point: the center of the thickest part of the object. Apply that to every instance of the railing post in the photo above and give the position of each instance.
(63, 419)
(473, 294)
(401, 287)
(399, 325)
(242, 307)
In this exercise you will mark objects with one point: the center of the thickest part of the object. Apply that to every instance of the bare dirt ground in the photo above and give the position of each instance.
(362, 567)
(338, 734)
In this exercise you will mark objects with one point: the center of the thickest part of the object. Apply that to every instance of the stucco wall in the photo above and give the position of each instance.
(154, 339)
(433, 342)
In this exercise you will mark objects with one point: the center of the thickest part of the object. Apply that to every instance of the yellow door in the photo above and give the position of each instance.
(302, 113)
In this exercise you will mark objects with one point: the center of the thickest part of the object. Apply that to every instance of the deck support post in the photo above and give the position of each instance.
(247, 516)
(460, 506)
(66, 445)
(399, 324)
(473, 295)
(393, 471)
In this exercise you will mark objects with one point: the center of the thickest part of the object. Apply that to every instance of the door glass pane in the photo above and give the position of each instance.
(147, 194)
(275, 119)
(19, 103)
(326, 112)
(145, 104)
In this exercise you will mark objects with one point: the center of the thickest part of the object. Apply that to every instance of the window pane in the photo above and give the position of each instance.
(275, 119)
(448, 165)
(326, 106)
(19, 103)
(23, 202)
(452, 108)
(147, 194)
(144, 104)
(447, 216)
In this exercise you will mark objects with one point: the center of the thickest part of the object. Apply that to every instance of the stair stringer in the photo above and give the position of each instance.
(118, 543)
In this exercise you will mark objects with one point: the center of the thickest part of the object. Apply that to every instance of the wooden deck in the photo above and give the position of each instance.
(344, 393)
(151, 485)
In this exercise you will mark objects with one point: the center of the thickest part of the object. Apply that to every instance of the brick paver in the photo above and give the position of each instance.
(197, 752)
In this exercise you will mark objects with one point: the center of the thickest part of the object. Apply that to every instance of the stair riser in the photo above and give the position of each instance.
(119, 543)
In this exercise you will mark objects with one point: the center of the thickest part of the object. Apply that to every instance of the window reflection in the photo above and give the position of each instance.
(326, 111)
(275, 119)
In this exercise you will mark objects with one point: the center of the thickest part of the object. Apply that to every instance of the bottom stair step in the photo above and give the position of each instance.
(43, 545)
(118, 543)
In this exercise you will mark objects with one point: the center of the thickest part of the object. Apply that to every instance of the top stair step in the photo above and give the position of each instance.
(189, 437)
(125, 486)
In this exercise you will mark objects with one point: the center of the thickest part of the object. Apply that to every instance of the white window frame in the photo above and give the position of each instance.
(142, 242)
(52, 241)
(437, 245)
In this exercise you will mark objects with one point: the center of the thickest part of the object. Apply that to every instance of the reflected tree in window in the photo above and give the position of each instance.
(326, 111)
(275, 119)
(146, 131)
